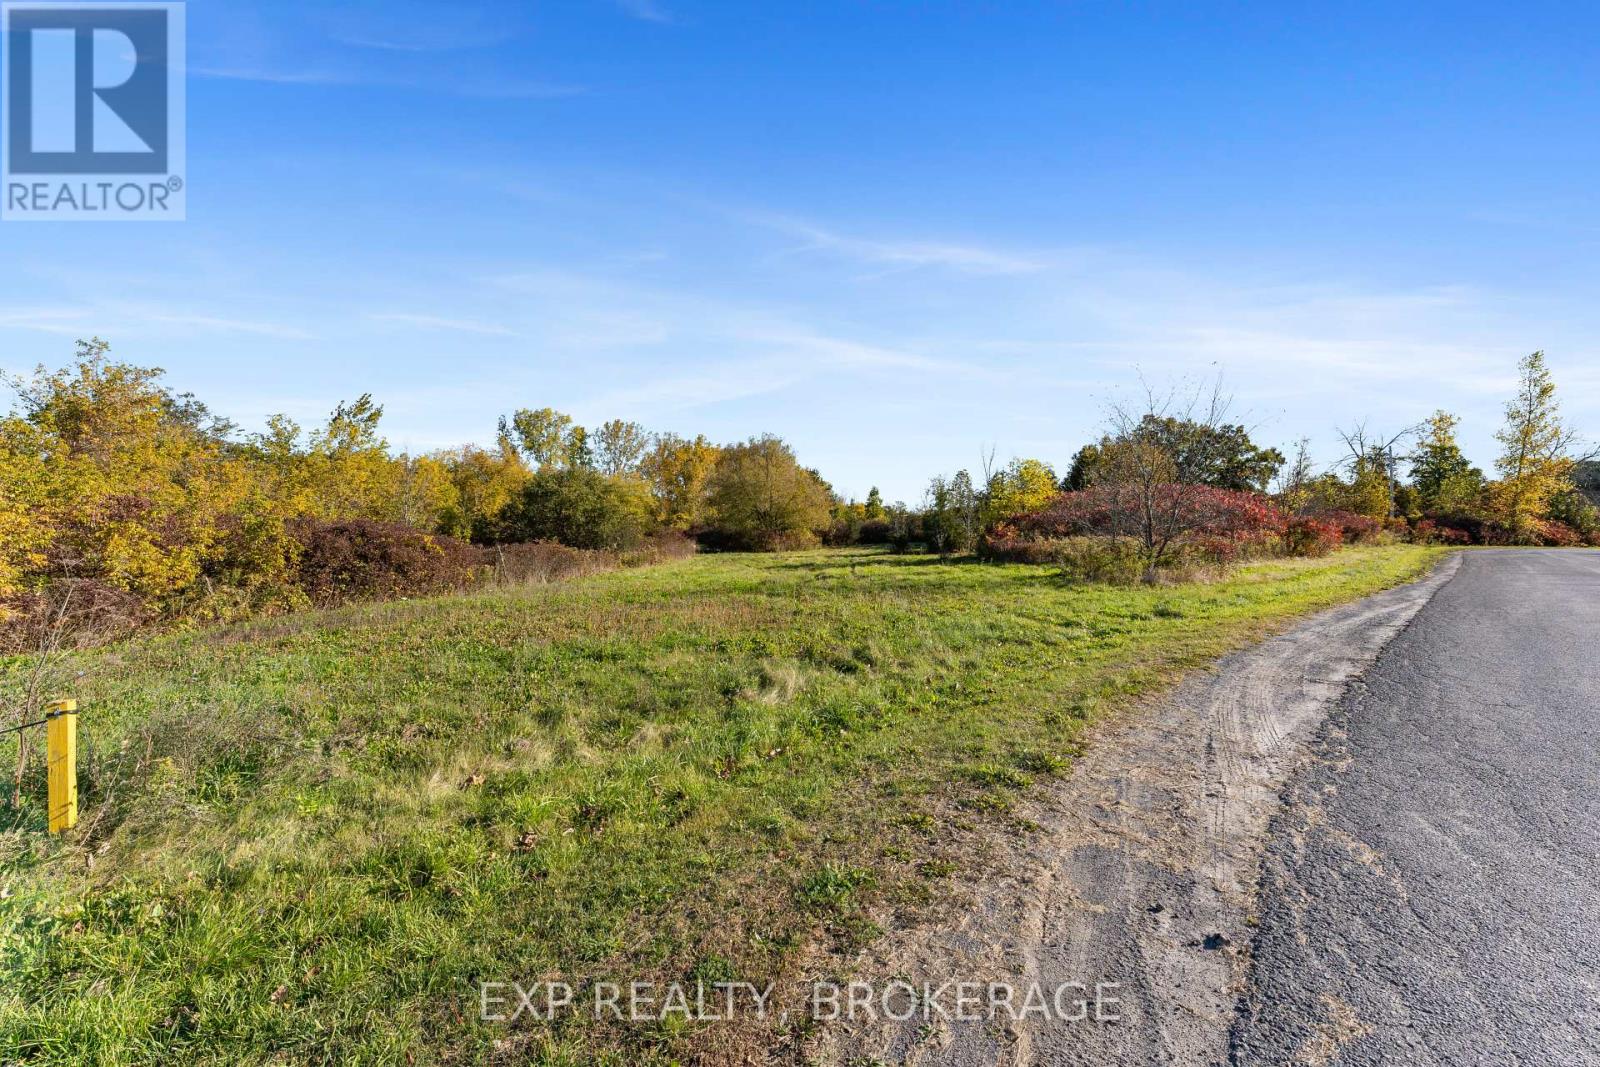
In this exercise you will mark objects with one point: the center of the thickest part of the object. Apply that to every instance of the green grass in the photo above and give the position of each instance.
(306, 840)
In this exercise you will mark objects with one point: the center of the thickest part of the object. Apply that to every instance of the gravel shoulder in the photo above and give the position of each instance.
(1142, 871)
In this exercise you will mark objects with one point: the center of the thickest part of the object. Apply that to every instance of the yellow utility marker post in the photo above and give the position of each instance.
(61, 730)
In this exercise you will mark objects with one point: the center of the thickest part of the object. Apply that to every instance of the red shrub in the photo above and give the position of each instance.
(1306, 536)
(70, 613)
(1558, 534)
(1354, 529)
(361, 560)
(1432, 532)
(1185, 521)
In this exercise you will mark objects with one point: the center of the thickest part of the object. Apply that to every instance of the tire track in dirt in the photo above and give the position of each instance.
(1142, 870)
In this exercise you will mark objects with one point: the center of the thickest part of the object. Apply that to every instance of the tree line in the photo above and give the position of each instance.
(1172, 480)
(115, 486)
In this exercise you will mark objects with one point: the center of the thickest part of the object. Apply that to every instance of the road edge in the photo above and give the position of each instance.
(1142, 869)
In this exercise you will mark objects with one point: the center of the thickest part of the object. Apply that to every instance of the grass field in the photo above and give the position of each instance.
(307, 840)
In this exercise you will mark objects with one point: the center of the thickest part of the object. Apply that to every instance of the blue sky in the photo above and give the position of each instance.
(891, 232)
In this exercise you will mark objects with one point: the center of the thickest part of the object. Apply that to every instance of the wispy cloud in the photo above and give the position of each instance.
(436, 322)
(717, 384)
(210, 323)
(57, 320)
(275, 77)
(121, 318)
(896, 255)
(645, 10)
(476, 86)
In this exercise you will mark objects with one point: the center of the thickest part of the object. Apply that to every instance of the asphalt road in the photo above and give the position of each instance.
(1431, 891)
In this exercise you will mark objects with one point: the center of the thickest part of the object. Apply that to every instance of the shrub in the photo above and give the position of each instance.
(1431, 532)
(1556, 534)
(875, 532)
(70, 613)
(1354, 529)
(1308, 536)
(1463, 528)
(1115, 560)
(581, 507)
(1195, 524)
(359, 559)
(536, 562)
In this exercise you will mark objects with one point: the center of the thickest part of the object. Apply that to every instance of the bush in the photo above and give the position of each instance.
(1462, 528)
(1432, 532)
(1307, 536)
(1354, 529)
(580, 507)
(875, 532)
(70, 613)
(359, 559)
(536, 562)
(1115, 560)
(1199, 524)
(1556, 534)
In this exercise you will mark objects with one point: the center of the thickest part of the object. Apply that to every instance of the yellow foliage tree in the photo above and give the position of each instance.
(484, 483)
(678, 471)
(1025, 485)
(1534, 463)
(137, 482)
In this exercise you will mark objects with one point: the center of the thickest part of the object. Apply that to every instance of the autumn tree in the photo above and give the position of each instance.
(348, 467)
(760, 497)
(1022, 485)
(1372, 462)
(619, 446)
(678, 471)
(25, 529)
(135, 482)
(485, 481)
(1535, 462)
(1444, 479)
(1294, 487)
(544, 435)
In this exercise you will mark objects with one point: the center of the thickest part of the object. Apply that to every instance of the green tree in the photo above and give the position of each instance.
(544, 435)
(760, 496)
(1444, 479)
(1219, 455)
(581, 507)
(952, 517)
(1572, 507)
(620, 446)
(1085, 466)
(874, 507)
(1586, 477)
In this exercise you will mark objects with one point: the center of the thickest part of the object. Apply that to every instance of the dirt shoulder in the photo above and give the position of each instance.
(1137, 885)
